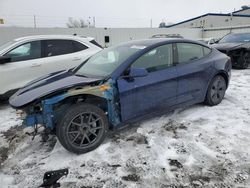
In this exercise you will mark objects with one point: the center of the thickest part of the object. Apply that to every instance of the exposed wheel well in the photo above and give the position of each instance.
(62, 106)
(98, 101)
(91, 99)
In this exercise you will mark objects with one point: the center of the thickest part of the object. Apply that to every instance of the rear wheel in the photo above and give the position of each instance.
(216, 91)
(83, 128)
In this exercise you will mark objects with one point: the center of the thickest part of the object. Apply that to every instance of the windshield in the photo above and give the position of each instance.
(6, 45)
(236, 38)
(105, 62)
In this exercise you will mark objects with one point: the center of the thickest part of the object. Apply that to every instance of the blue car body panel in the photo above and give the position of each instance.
(155, 92)
(192, 79)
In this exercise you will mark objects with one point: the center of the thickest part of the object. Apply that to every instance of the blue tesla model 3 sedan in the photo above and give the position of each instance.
(120, 85)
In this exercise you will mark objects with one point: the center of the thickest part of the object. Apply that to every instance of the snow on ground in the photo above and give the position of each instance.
(198, 146)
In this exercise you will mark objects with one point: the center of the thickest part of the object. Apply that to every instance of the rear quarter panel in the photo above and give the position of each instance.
(222, 64)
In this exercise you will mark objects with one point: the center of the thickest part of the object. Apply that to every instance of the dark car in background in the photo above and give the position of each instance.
(121, 85)
(236, 46)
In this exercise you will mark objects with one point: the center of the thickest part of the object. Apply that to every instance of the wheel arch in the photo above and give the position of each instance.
(101, 102)
(224, 74)
(207, 98)
(65, 104)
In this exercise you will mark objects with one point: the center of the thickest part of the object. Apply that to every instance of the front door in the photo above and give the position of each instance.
(154, 92)
(26, 64)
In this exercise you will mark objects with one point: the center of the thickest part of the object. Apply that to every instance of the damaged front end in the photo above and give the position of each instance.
(42, 113)
(239, 54)
(240, 57)
(48, 111)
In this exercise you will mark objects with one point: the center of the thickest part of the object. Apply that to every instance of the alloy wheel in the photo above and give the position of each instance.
(218, 89)
(84, 129)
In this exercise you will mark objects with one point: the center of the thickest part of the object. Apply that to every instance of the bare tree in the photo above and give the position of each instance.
(162, 25)
(75, 23)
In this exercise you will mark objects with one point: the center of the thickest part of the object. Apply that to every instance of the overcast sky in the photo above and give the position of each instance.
(111, 13)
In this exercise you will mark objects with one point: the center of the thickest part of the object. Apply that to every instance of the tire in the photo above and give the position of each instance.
(216, 91)
(244, 60)
(83, 128)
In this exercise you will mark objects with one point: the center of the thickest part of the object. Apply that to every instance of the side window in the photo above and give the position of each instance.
(96, 43)
(206, 51)
(58, 47)
(79, 46)
(188, 52)
(27, 51)
(156, 59)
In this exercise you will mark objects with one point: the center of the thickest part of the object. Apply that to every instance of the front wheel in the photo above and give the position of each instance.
(245, 58)
(243, 61)
(216, 91)
(83, 128)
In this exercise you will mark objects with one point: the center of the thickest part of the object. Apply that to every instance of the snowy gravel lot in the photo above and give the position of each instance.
(198, 146)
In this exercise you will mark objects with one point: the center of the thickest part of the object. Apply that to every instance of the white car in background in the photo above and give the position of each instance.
(25, 59)
(208, 41)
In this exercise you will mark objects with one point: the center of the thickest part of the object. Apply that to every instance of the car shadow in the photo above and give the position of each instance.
(3, 104)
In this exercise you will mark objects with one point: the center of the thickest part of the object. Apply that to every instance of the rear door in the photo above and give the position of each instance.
(154, 92)
(62, 54)
(193, 71)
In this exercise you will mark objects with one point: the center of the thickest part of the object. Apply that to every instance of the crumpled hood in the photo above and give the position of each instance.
(47, 85)
(230, 46)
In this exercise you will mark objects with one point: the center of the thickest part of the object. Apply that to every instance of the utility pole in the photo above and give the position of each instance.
(34, 21)
(93, 21)
(202, 26)
(231, 20)
(151, 23)
(89, 22)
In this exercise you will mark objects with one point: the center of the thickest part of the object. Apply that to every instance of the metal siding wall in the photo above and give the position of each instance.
(247, 11)
(215, 21)
(218, 33)
(117, 35)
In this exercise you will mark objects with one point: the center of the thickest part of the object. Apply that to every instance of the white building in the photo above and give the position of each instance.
(213, 20)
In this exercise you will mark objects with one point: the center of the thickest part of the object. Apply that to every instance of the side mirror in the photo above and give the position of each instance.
(4, 60)
(212, 42)
(138, 72)
(215, 41)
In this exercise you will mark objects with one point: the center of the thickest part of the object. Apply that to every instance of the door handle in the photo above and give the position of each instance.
(76, 58)
(36, 65)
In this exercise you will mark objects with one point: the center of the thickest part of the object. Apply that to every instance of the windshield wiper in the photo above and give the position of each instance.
(81, 75)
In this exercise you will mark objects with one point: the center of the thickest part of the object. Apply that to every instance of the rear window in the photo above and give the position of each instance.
(188, 52)
(58, 47)
(79, 46)
(206, 51)
(95, 43)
